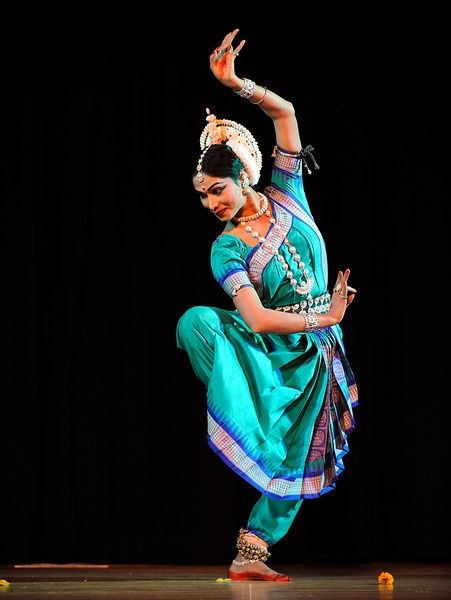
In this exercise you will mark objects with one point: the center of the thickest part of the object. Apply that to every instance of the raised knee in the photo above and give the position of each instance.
(197, 319)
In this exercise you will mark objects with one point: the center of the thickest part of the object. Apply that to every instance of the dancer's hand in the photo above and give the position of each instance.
(342, 296)
(222, 59)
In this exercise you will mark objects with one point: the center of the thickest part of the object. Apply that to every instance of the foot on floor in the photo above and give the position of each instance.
(253, 570)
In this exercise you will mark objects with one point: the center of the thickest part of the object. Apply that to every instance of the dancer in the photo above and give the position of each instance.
(280, 391)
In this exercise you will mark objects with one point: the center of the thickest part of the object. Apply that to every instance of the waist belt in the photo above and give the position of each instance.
(320, 304)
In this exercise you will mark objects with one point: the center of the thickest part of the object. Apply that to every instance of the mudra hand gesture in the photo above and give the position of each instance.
(222, 59)
(342, 296)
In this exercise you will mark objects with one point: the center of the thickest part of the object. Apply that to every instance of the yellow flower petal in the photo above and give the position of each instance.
(385, 578)
(4, 582)
(222, 579)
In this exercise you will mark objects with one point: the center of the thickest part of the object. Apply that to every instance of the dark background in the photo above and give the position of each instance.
(103, 441)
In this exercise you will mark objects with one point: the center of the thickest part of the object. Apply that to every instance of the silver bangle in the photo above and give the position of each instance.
(261, 99)
(311, 321)
(247, 90)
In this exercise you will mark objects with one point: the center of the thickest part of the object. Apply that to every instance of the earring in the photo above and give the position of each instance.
(244, 178)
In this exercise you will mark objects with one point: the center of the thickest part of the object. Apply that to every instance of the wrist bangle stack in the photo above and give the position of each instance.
(247, 90)
(311, 321)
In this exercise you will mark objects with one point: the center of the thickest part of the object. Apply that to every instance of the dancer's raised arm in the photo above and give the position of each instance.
(281, 111)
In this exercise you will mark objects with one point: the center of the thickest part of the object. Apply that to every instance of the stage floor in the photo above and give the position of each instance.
(168, 582)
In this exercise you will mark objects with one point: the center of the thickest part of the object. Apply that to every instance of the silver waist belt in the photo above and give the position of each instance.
(320, 304)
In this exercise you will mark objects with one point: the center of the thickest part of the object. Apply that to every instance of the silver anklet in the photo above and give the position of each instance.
(245, 562)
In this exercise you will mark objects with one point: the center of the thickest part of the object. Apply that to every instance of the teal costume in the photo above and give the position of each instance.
(279, 407)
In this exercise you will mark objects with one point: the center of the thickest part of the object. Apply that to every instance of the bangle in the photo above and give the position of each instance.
(247, 90)
(261, 99)
(311, 321)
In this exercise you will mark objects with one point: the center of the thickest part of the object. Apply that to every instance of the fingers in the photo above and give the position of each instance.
(228, 39)
(226, 45)
(218, 53)
(234, 53)
(342, 279)
(344, 285)
(338, 282)
(341, 286)
(343, 294)
(240, 45)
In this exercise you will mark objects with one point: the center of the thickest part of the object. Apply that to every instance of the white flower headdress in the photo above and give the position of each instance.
(240, 140)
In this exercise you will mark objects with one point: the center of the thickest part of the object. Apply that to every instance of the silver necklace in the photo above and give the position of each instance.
(304, 285)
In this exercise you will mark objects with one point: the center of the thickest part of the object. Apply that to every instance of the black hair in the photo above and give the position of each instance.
(221, 161)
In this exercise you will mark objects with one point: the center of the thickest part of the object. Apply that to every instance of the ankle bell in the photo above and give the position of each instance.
(250, 551)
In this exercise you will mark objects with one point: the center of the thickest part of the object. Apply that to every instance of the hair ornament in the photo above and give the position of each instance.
(240, 140)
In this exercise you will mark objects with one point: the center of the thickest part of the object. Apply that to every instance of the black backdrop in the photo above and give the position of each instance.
(103, 443)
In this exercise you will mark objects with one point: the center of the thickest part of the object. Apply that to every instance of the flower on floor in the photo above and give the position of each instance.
(385, 578)
(4, 582)
(223, 580)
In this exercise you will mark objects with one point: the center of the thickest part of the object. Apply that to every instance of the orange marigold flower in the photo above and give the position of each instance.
(385, 578)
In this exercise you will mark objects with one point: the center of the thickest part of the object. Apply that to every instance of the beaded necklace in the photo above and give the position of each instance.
(258, 214)
(304, 285)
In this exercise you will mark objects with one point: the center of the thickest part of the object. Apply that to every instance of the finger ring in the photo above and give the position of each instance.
(344, 297)
(337, 288)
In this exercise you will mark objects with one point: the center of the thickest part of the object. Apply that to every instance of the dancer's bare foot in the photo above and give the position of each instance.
(245, 570)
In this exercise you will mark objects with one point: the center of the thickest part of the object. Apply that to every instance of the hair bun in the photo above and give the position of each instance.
(238, 138)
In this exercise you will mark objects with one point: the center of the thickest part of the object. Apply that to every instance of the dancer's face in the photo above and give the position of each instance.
(221, 195)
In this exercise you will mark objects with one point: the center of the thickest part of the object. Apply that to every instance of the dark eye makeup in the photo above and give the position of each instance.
(216, 191)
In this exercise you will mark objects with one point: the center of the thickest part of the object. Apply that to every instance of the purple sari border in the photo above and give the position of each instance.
(280, 190)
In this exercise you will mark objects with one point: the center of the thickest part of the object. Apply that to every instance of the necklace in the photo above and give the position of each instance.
(258, 214)
(304, 285)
